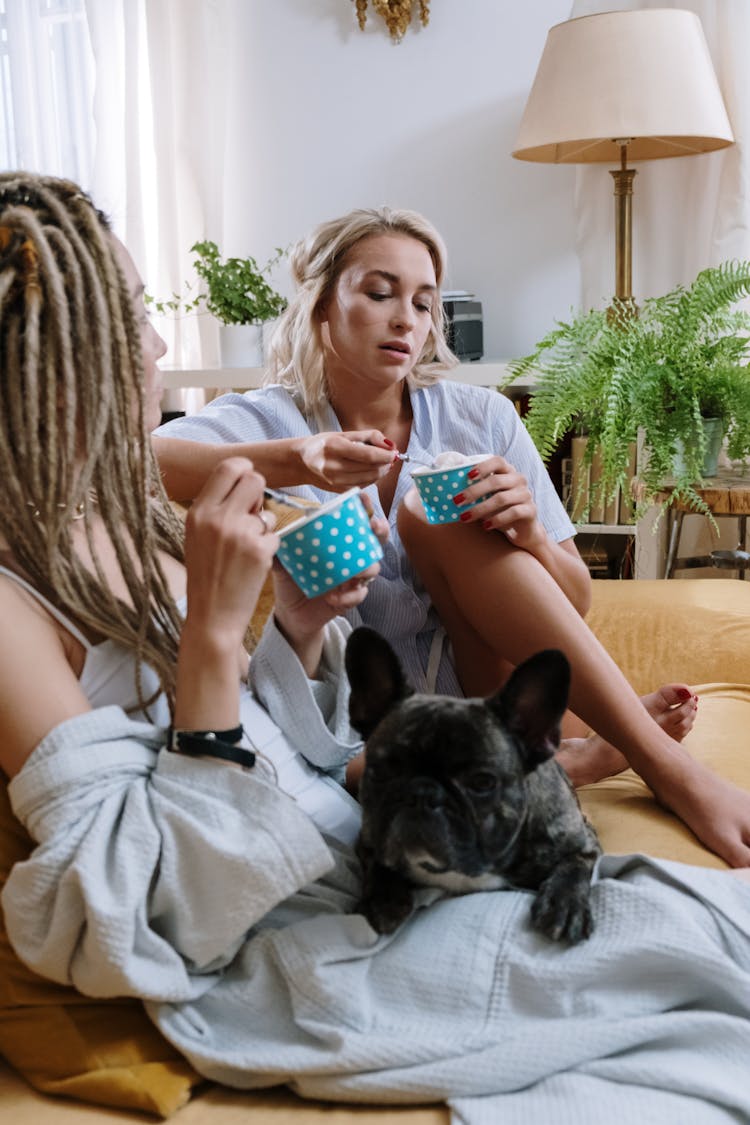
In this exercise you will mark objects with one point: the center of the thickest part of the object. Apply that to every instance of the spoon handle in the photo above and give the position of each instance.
(292, 501)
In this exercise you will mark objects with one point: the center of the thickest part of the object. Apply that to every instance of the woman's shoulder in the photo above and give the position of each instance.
(450, 397)
(265, 412)
(26, 613)
(38, 686)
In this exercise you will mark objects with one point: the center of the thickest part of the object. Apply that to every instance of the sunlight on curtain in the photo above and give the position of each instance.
(46, 82)
(162, 80)
(127, 98)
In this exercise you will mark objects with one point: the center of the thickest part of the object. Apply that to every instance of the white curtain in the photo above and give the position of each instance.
(130, 98)
(46, 76)
(688, 213)
(162, 73)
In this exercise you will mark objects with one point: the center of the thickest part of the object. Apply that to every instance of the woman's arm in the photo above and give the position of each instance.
(38, 687)
(330, 461)
(151, 867)
(229, 550)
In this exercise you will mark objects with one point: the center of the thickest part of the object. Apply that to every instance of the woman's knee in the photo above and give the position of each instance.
(425, 543)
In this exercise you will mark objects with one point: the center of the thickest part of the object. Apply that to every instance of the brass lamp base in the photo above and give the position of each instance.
(623, 177)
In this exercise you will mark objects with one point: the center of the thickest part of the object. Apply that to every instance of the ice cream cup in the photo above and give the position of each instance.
(330, 546)
(437, 487)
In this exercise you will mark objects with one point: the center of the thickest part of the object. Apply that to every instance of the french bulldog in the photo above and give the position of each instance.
(465, 794)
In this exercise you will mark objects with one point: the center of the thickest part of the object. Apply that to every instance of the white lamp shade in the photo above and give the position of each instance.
(645, 76)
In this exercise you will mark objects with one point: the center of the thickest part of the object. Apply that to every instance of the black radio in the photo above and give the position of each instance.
(463, 324)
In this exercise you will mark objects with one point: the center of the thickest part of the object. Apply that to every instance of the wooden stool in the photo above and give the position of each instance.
(726, 495)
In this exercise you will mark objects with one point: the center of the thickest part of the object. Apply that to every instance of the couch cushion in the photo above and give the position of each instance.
(694, 630)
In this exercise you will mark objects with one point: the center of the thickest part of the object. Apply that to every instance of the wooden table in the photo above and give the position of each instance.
(725, 495)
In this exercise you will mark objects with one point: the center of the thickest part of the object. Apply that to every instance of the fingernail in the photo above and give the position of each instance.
(459, 498)
(683, 693)
(473, 474)
(465, 516)
(389, 443)
(487, 525)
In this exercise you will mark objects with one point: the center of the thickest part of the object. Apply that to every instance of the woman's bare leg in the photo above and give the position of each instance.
(484, 588)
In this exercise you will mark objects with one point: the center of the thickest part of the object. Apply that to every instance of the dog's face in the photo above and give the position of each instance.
(443, 792)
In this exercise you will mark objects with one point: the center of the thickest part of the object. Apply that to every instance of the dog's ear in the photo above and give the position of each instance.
(532, 703)
(376, 679)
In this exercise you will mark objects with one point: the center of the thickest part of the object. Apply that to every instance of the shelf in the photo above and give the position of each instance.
(607, 529)
(480, 373)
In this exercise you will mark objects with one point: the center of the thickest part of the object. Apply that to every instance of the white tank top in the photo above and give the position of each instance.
(109, 669)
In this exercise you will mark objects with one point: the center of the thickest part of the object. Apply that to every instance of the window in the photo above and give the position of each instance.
(46, 88)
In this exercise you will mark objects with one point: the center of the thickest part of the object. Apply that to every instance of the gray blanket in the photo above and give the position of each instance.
(208, 893)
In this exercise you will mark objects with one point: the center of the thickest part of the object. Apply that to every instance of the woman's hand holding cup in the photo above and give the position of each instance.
(229, 549)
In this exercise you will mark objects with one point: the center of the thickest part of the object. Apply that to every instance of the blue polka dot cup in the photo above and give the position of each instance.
(331, 545)
(437, 487)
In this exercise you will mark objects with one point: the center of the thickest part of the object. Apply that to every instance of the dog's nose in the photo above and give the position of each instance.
(425, 792)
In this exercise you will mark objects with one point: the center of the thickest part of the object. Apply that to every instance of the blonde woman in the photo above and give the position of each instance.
(356, 384)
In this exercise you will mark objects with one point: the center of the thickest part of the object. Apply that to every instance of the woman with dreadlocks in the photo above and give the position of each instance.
(163, 871)
(92, 583)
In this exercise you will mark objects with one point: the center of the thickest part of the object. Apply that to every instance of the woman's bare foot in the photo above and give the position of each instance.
(673, 706)
(585, 760)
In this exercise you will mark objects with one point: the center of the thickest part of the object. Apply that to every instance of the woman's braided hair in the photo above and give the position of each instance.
(72, 421)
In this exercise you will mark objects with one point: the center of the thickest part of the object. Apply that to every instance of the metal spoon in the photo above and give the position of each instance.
(413, 461)
(292, 501)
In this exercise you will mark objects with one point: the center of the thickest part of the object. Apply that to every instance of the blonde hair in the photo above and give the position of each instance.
(296, 358)
(72, 426)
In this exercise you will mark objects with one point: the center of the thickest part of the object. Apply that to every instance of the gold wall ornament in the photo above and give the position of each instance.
(396, 13)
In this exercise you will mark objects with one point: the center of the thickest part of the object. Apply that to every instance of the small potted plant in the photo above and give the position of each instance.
(655, 379)
(237, 292)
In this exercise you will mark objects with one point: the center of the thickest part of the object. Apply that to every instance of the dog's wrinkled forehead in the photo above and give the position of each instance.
(425, 729)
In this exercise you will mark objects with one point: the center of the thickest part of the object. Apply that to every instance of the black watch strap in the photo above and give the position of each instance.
(211, 744)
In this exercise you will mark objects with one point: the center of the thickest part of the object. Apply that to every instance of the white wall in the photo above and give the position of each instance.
(332, 118)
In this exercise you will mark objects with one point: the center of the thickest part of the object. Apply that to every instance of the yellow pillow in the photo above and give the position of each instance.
(102, 1051)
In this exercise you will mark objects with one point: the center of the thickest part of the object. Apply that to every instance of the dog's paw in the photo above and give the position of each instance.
(561, 913)
(386, 915)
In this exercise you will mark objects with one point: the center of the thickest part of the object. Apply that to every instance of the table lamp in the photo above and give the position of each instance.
(619, 86)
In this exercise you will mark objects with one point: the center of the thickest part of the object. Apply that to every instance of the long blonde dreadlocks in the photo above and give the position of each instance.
(72, 421)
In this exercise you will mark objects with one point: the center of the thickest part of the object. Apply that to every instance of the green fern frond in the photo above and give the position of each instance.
(650, 378)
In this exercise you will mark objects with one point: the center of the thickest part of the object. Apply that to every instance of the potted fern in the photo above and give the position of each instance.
(653, 379)
(237, 292)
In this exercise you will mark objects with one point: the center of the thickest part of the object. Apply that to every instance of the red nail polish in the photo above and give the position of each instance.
(459, 498)
(473, 474)
(389, 443)
(465, 516)
(683, 693)
(487, 525)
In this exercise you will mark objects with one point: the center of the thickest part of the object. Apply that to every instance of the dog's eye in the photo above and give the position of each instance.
(481, 782)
